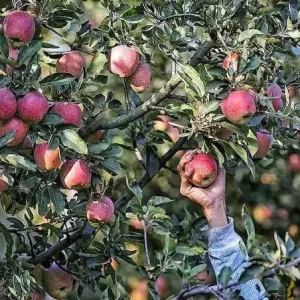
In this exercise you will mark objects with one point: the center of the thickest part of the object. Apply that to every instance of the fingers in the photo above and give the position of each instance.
(186, 158)
(220, 180)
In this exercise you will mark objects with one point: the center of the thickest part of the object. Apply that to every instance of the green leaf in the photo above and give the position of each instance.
(198, 269)
(73, 141)
(28, 51)
(3, 47)
(4, 140)
(99, 147)
(132, 15)
(57, 79)
(58, 200)
(133, 185)
(8, 238)
(18, 161)
(52, 119)
(194, 79)
(248, 34)
(158, 200)
(253, 271)
(224, 276)
(111, 165)
(249, 226)
(43, 199)
(189, 251)
(97, 64)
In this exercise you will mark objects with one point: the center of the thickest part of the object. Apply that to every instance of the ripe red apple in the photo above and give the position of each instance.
(203, 169)
(70, 112)
(162, 124)
(123, 60)
(8, 104)
(173, 133)
(136, 224)
(33, 107)
(274, 90)
(3, 184)
(239, 106)
(231, 61)
(75, 174)
(19, 26)
(294, 162)
(16, 125)
(72, 62)
(45, 158)
(162, 286)
(95, 137)
(264, 141)
(100, 211)
(13, 53)
(140, 80)
(57, 282)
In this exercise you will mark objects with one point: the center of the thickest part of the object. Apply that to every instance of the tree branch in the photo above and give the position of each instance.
(104, 122)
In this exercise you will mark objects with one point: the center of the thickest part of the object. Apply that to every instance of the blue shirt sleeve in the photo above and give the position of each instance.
(225, 251)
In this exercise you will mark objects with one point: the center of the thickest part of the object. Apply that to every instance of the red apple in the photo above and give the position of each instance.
(95, 137)
(19, 26)
(162, 123)
(162, 286)
(75, 174)
(3, 184)
(33, 107)
(140, 80)
(238, 107)
(45, 158)
(203, 169)
(173, 133)
(294, 162)
(274, 91)
(231, 61)
(264, 141)
(100, 211)
(13, 53)
(136, 224)
(72, 62)
(20, 129)
(57, 282)
(8, 104)
(123, 60)
(70, 112)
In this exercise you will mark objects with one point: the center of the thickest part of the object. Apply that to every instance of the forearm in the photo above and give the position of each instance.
(226, 249)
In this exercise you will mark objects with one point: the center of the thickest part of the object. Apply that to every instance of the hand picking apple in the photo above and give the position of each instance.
(204, 183)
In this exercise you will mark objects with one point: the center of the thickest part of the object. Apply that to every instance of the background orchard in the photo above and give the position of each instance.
(123, 137)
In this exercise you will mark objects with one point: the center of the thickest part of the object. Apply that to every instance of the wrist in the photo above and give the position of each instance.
(216, 215)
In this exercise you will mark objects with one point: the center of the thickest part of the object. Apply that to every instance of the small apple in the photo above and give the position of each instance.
(274, 90)
(264, 141)
(70, 112)
(141, 78)
(294, 163)
(8, 104)
(46, 158)
(100, 210)
(72, 62)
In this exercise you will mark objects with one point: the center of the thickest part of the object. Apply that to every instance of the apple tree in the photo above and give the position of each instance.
(92, 113)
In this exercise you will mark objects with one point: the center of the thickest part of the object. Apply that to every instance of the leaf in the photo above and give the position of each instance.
(224, 276)
(57, 79)
(97, 64)
(3, 47)
(189, 251)
(43, 201)
(158, 200)
(251, 272)
(249, 226)
(248, 34)
(4, 140)
(194, 79)
(132, 15)
(133, 185)
(111, 165)
(252, 65)
(73, 141)
(198, 269)
(8, 238)
(18, 161)
(28, 51)
(254, 121)
(52, 119)
(58, 200)
(99, 147)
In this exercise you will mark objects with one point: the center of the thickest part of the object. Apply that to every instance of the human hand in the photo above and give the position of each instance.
(212, 198)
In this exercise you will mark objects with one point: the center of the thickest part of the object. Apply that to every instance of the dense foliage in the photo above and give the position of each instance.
(80, 130)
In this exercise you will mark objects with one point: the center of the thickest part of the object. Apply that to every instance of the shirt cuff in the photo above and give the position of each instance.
(223, 237)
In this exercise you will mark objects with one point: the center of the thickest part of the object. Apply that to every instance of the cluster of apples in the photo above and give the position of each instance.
(125, 62)
(239, 106)
(16, 115)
